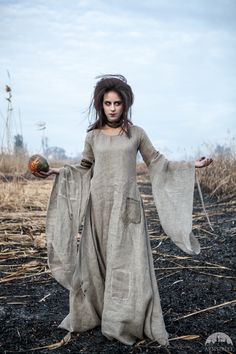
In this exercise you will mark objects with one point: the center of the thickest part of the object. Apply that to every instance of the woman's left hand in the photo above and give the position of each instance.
(203, 162)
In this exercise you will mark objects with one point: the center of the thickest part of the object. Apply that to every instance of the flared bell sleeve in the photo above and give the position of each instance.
(172, 188)
(65, 213)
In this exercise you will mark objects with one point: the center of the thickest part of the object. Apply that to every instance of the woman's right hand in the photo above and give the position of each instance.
(51, 171)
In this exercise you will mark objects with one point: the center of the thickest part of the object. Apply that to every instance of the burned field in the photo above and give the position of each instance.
(198, 293)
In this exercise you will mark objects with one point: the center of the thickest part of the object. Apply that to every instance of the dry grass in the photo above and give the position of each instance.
(13, 164)
(19, 189)
(22, 194)
(17, 165)
(220, 178)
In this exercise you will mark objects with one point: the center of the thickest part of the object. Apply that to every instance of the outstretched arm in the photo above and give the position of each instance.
(51, 171)
(149, 152)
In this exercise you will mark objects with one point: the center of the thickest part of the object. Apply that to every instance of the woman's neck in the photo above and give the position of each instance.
(115, 124)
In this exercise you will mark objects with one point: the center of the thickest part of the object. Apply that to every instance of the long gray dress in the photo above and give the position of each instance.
(111, 277)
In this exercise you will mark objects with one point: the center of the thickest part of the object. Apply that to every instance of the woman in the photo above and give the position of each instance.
(111, 277)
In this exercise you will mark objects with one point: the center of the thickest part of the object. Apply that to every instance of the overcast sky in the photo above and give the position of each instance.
(178, 55)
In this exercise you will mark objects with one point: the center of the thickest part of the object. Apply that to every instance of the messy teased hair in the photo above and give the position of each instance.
(117, 83)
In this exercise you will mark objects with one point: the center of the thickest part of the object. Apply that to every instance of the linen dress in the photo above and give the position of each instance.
(111, 276)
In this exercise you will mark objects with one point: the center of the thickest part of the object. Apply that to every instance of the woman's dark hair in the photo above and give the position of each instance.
(117, 83)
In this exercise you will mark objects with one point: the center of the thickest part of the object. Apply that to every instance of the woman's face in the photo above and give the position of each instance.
(112, 105)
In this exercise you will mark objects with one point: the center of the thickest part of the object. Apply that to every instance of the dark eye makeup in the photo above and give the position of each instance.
(117, 103)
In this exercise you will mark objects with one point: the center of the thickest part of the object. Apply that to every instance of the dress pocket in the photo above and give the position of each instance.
(132, 212)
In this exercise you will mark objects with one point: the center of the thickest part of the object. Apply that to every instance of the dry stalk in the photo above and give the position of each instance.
(186, 337)
(207, 309)
(64, 341)
(190, 267)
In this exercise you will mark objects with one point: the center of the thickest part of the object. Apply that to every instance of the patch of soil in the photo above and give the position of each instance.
(198, 293)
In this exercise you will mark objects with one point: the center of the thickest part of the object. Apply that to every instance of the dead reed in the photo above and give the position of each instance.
(220, 178)
(12, 164)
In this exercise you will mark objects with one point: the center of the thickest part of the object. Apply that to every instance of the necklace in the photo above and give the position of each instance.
(114, 124)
